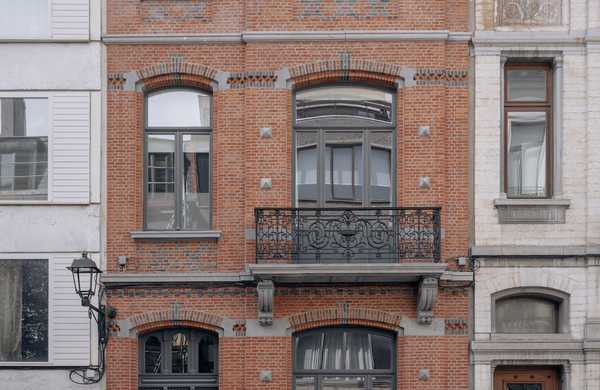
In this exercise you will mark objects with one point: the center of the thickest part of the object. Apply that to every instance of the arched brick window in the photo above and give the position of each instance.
(344, 146)
(344, 358)
(177, 160)
(179, 359)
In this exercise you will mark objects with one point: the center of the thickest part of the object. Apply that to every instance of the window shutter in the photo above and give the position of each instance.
(70, 148)
(70, 19)
(70, 325)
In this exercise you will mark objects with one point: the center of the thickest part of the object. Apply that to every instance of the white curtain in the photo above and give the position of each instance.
(309, 351)
(11, 288)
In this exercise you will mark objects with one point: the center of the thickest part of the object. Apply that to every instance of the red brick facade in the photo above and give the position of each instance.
(244, 78)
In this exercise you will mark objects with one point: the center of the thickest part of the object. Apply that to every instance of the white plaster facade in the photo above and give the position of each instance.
(66, 67)
(558, 256)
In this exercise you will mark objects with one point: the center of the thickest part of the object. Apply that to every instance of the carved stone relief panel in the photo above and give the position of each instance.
(529, 12)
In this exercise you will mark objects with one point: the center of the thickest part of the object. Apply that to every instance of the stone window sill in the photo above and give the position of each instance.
(531, 211)
(175, 235)
(531, 337)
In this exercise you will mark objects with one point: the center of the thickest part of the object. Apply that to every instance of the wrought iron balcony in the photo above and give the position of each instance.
(353, 235)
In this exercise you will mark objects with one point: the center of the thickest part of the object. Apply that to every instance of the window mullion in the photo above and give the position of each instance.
(178, 181)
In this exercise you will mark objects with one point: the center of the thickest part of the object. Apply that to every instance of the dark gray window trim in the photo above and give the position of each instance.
(175, 234)
(177, 132)
(364, 129)
(560, 297)
(163, 335)
(393, 372)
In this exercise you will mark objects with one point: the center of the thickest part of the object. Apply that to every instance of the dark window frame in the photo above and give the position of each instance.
(165, 336)
(322, 145)
(318, 374)
(178, 132)
(547, 107)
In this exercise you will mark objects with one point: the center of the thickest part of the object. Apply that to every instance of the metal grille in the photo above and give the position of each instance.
(354, 235)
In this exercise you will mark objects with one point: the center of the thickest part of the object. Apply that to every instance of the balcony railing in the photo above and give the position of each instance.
(353, 235)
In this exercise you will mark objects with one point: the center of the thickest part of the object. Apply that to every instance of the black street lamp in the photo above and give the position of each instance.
(85, 278)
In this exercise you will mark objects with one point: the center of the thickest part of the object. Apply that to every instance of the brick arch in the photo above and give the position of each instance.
(346, 68)
(175, 317)
(345, 314)
(176, 73)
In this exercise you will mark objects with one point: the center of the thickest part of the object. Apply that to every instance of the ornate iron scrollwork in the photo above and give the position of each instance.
(359, 235)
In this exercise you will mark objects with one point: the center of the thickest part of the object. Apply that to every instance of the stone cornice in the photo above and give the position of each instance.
(289, 36)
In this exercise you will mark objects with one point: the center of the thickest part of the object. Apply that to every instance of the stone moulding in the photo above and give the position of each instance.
(451, 78)
(529, 12)
(257, 79)
(531, 211)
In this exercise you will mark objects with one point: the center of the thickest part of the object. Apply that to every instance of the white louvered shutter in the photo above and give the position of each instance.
(70, 322)
(70, 19)
(70, 148)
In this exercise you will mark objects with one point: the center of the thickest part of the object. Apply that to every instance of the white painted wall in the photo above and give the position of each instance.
(67, 66)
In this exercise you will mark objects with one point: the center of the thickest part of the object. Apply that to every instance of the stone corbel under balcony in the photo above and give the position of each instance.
(426, 298)
(266, 291)
(531, 211)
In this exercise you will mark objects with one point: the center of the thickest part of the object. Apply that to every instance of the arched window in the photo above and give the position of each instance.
(182, 359)
(178, 164)
(345, 149)
(530, 310)
(344, 358)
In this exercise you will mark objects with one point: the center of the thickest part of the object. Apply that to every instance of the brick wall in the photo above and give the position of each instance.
(437, 97)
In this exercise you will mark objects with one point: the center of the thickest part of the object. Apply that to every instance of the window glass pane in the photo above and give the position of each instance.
(359, 354)
(305, 383)
(334, 357)
(179, 108)
(344, 383)
(308, 351)
(307, 157)
(24, 18)
(160, 193)
(343, 106)
(527, 154)
(382, 383)
(343, 168)
(526, 315)
(526, 85)
(179, 353)
(524, 386)
(153, 355)
(207, 354)
(382, 352)
(24, 126)
(381, 169)
(24, 308)
(196, 179)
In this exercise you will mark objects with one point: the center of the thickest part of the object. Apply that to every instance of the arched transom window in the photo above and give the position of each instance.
(182, 359)
(344, 147)
(344, 358)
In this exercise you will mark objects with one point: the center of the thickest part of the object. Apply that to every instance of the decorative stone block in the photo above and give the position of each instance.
(424, 131)
(266, 376)
(531, 211)
(266, 132)
(424, 374)
(529, 12)
(425, 182)
(266, 183)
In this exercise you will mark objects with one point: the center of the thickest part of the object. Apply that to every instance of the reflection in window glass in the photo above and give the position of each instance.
(343, 168)
(24, 18)
(153, 356)
(307, 160)
(207, 355)
(526, 315)
(179, 353)
(382, 383)
(527, 154)
(305, 383)
(526, 85)
(196, 174)
(178, 108)
(160, 192)
(24, 308)
(24, 126)
(332, 105)
(381, 169)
